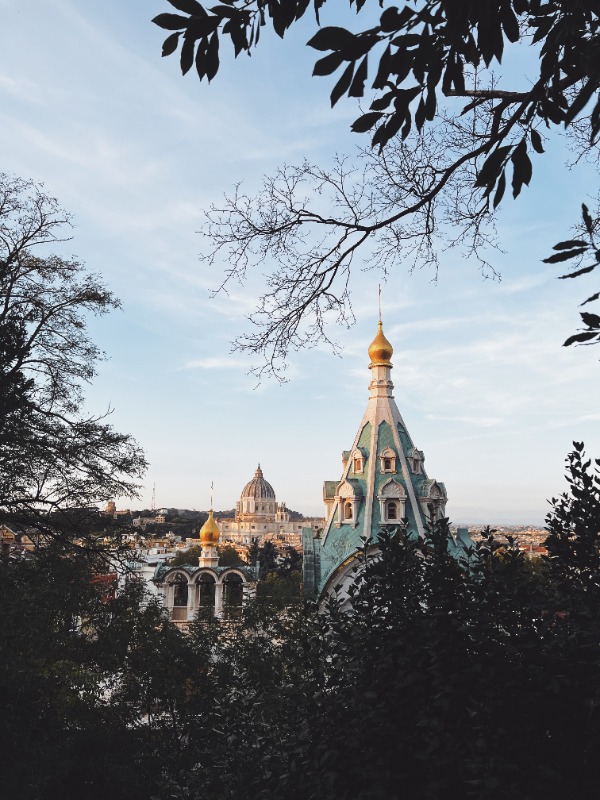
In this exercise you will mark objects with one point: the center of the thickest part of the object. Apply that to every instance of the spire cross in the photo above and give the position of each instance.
(211, 494)
(379, 290)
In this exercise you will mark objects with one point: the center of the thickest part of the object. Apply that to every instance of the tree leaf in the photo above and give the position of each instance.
(591, 299)
(188, 7)
(564, 256)
(171, 22)
(328, 64)
(580, 337)
(331, 38)
(491, 167)
(522, 168)
(383, 70)
(212, 57)
(390, 20)
(582, 99)
(357, 86)
(366, 122)
(500, 189)
(343, 84)
(569, 244)
(591, 320)
(587, 219)
(170, 44)
(187, 54)
(536, 141)
(579, 272)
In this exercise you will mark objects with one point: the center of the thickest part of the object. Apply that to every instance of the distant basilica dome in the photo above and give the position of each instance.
(258, 487)
(257, 498)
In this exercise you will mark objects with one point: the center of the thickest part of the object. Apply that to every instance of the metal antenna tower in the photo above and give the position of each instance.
(153, 497)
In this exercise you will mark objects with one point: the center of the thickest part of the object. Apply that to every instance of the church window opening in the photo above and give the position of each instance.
(206, 595)
(358, 464)
(180, 592)
(392, 511)
(387, 464)
(233, 595)
(348, 510)
(180, 599)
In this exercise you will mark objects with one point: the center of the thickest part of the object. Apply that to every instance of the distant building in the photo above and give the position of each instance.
(383, 482)
(259, 516)
(205, 589)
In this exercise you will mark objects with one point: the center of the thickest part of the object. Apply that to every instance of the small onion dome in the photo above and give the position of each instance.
(380, 351)
(258, 487)
(209, 532)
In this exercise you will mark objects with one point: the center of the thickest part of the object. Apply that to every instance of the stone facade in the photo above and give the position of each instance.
(259, 516)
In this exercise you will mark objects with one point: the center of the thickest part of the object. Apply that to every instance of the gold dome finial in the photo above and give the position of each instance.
(209, 532)
(380, 350)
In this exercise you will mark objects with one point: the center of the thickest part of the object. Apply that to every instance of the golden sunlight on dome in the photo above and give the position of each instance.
(209, 532)
(380, 351)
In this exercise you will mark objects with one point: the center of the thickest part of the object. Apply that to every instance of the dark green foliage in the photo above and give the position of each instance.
(280, 591)
(189, 556)
(268, 558)
(418, 51)
(228, 556)
(477, 679)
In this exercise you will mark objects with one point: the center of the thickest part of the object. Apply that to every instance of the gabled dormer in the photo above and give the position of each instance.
(387, 461)
(415, 459)
(358, 459)
(433, 498)
(349, 495)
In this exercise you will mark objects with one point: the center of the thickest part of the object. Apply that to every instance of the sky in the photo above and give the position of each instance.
(136, 153)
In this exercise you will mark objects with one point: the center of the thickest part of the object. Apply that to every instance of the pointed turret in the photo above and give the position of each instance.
(383, 482)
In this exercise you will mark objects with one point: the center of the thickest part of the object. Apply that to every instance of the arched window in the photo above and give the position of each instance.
(392, 510)
(233, 595)
(206, 595)
(180, 592)
(180, 599)
(387, 460)
(348, 510)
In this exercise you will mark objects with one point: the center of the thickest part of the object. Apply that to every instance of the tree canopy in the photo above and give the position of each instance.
(477, 679)
(54, 458)
(448, 140)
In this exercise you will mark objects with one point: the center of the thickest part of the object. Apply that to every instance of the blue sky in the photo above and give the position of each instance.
(136, 153)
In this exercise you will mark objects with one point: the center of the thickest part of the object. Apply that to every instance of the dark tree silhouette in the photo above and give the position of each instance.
(448, 138)
(53, 457)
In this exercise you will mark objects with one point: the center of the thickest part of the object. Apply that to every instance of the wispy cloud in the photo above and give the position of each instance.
(215, 363)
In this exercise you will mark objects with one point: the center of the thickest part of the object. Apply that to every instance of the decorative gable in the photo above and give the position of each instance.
(415, 460)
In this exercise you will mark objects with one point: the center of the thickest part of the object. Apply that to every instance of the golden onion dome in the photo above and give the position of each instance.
(209, 532)
(380, 351)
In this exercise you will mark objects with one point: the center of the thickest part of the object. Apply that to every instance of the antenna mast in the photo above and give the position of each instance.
(153, 508)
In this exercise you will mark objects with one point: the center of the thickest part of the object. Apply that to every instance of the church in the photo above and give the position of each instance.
(383, 482)
(258, 516)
